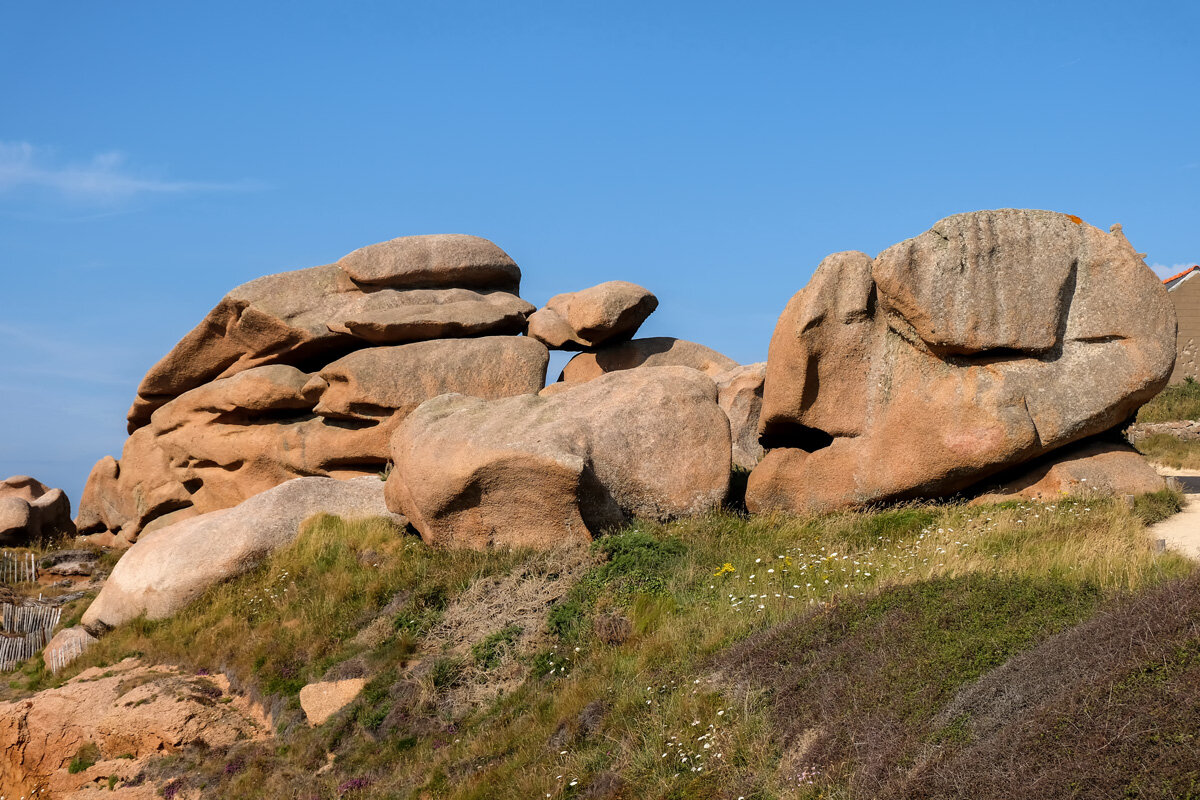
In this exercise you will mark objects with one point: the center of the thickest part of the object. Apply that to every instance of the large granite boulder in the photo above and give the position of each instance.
(659, 351)
(32, 512)
(604, 313)
(537, 470)
(170, 567)
(225, 441)
(991, 339)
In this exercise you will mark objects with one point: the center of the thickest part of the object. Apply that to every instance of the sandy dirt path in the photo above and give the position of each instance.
(1182, 531)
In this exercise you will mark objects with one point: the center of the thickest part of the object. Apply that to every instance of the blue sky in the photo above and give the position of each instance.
(153, 156)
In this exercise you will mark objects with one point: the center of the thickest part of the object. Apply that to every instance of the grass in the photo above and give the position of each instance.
(284, 624)
(1176, 402)
(1164, 448)
(769, 657)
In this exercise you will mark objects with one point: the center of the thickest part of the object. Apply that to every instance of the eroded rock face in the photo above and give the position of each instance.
(991, 339)
(170, 567)
(540, 470)
(131, 713)
(604, 313)
(660, 351)
(307, 373)
(30, 511)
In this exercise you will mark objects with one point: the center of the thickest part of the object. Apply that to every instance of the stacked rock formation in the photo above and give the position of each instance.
(991, 339)
(32, 512)
(307, 373)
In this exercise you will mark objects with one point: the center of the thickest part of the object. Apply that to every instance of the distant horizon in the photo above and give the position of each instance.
(153, 158)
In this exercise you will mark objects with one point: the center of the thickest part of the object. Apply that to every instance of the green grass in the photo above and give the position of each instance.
(1177, 401)
(86, 756)
(1164, 448)
(876, 620)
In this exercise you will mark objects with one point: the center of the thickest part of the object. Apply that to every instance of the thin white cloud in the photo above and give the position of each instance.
(1164, 271)
(104, 178)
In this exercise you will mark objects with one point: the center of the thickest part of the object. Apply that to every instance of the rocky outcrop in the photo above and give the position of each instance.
(1093, 467)
(605, 313)
(991, 339)
(32, 512)
(740, 395)
(539, 470)
(170, 567)
(660, 351)
(307, 373)
(125, 714)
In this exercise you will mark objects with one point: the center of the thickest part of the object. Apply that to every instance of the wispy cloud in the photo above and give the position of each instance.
(1165, 271)
(104, 178)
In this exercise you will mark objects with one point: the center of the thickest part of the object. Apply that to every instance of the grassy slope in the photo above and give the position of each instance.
(1176, 402)
(714, 657)
(1180, 401)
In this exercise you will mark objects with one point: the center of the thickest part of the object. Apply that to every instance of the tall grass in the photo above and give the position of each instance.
(655, 710)
(1177, 401)
(1170, 450)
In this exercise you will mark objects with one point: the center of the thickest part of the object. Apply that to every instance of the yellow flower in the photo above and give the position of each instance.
(725, 569)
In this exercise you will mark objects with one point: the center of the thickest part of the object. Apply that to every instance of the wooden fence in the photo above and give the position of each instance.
(24, 630)
(17, 567)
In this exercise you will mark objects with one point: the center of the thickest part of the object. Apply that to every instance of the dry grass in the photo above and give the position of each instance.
(1178, 401)
(659, 711)
(1165, 449)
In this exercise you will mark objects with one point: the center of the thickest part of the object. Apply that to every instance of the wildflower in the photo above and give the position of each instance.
(725, 569)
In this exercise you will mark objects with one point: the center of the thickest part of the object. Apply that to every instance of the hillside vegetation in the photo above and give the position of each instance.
(1177, 401)
(1019, 650)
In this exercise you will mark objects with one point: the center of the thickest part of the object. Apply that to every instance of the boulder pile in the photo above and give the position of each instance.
(32, 512)
(310, 372)
(991, 339)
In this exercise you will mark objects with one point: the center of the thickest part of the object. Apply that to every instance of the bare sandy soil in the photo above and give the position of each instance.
(1182, 531)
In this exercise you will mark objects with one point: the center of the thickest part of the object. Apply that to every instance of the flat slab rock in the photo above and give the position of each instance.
(1090, 468)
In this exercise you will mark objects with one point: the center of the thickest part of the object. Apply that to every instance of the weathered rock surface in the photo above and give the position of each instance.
(1088, 468)
(539, 470)
(129, 712)
(30, 511)
(992, 339)
(493, 314)
(322, 700)
(446, 259)
(740, 395)
(286, 318)
(170, 567)
(661, 351)
(609, 311)
(225, 441)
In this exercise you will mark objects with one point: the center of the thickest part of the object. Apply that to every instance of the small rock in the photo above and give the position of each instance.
(591, 317)
(322, 700)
